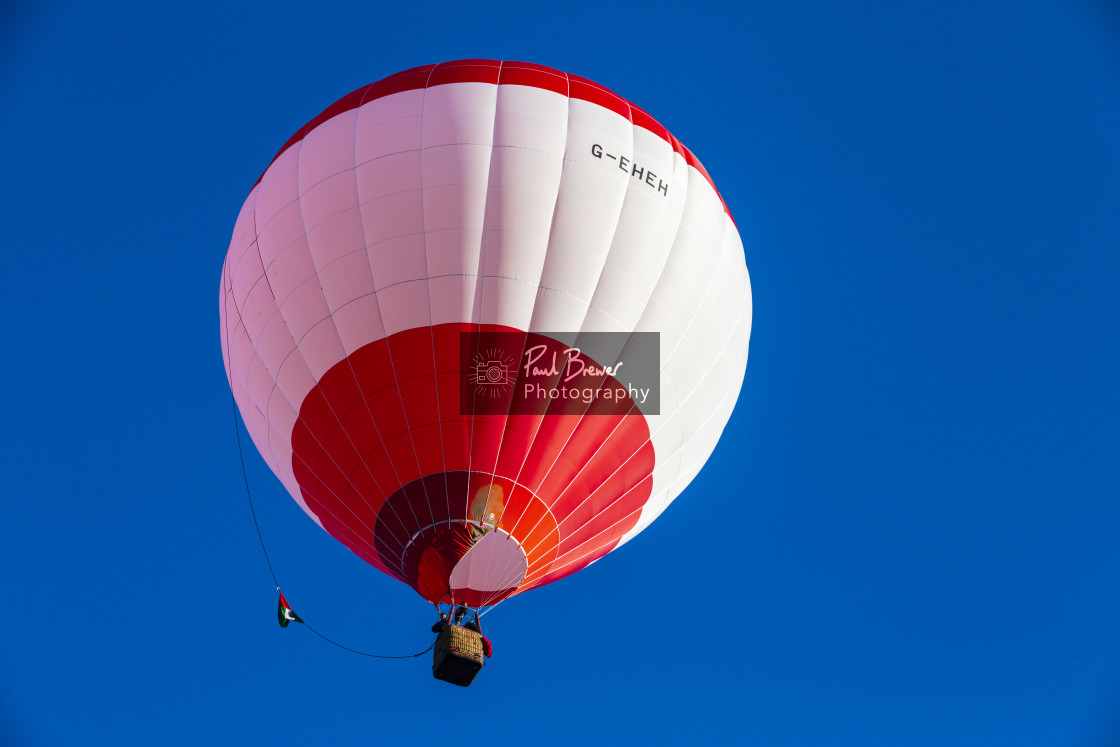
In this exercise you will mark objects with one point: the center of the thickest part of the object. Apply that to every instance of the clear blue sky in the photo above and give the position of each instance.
(907, 536)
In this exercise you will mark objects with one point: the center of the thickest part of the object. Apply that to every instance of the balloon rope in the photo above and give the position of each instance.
(253, 511)
(245, 477)
(363, 653)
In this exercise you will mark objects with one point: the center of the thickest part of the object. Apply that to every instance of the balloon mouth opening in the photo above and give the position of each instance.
(465, 562)
(492, 569)
(479, 538)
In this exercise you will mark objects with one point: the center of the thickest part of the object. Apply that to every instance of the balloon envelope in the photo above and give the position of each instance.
(381, 267)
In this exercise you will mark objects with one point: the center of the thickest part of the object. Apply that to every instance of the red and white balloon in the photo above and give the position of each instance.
(478, 195)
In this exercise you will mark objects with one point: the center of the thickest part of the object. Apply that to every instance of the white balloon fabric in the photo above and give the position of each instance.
(479, 197)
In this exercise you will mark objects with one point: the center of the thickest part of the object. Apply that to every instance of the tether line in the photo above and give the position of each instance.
(271, 570)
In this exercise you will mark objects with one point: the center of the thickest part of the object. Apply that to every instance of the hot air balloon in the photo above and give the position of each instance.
(393, 247)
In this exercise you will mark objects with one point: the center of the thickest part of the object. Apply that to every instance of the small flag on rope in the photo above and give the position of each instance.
(284, 613)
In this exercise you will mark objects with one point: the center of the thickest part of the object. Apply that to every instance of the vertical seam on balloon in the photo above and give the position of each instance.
(480, 294)
(481, 304)
(431, 319)
(505, 425)
(529, 325)
(552, 222)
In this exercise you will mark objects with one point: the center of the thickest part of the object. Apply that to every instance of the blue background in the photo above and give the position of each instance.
(907, 536)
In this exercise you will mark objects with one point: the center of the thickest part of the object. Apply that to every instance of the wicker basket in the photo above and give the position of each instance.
(457, 657)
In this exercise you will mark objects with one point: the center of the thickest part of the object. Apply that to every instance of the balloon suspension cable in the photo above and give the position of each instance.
(245, 477)
(271, 570)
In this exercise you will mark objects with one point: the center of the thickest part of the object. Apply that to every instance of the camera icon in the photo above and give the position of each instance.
(492, 373)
